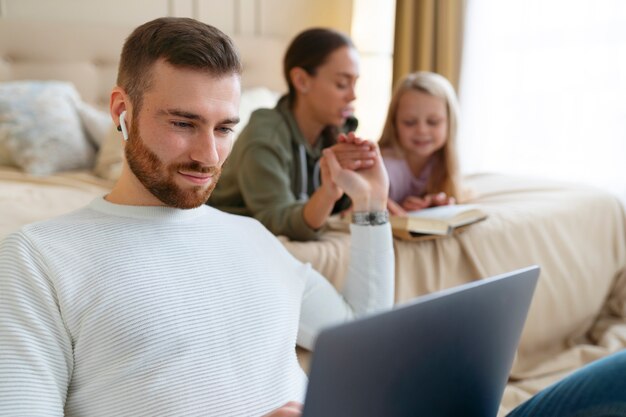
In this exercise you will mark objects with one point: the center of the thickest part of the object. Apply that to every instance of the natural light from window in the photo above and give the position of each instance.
(543, 90)
(375, 47)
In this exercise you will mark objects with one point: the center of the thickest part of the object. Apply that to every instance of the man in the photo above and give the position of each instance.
(147, 302)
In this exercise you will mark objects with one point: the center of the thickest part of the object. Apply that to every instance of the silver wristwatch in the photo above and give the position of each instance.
(370, 218)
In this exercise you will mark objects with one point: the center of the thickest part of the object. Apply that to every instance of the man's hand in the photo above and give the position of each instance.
(291, 409)
(367, 187)
(352, 153)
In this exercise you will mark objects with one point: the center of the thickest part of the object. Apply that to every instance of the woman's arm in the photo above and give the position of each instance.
(264, 180)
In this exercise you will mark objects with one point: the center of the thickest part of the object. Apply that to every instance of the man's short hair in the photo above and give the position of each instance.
(181, 42)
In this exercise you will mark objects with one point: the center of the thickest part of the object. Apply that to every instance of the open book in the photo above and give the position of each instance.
(435, 221)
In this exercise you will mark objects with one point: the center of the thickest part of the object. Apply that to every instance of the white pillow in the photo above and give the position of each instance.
(40, 129)
(253, 99)
(97, 123)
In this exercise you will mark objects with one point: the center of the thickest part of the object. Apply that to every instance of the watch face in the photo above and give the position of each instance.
(379, 217)
(366, 218)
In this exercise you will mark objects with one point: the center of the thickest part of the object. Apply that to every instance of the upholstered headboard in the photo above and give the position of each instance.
(87, 55)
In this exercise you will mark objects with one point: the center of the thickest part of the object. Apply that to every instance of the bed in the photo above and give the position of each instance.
(576, 234)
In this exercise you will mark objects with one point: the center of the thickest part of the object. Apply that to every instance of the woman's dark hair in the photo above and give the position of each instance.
(310, 49)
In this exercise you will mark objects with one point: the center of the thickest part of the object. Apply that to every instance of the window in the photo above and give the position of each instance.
(543, 90)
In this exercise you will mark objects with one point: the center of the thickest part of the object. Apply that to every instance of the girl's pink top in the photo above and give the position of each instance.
(402, 182)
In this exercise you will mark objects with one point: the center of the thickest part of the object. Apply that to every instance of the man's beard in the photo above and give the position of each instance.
(158, 178)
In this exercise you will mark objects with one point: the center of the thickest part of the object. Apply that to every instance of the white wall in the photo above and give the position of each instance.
(372, 31)
(259, 17)
(369, 22)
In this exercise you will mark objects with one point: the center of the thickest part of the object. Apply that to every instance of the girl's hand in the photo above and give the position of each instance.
(413, 203)
(395, 208)
(441, 199)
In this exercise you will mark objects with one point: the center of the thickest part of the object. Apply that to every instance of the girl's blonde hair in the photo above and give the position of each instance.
(445, 175)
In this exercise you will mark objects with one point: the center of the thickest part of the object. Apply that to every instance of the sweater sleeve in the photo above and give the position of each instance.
(265, 184)
(369, 286)
(36, 359)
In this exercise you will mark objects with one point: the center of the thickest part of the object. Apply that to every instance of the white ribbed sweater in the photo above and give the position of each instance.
(152, 311)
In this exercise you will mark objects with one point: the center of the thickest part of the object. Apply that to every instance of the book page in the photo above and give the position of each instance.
(442, 212)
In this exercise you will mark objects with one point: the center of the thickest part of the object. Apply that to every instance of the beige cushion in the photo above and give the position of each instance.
(96, 123)
(575, 233)
(109, 161)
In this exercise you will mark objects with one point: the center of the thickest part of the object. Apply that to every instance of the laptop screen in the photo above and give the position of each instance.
(447, 353)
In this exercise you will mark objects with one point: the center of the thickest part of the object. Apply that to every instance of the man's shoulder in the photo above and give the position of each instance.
(238, 222)
(225, 217)
(48, 230)
(69, 218)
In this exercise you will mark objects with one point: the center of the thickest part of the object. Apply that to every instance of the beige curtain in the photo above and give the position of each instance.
(428, 37)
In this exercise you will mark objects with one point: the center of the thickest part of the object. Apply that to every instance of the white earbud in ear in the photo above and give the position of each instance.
(123, 125)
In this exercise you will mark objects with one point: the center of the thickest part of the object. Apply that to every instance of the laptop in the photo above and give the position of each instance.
(447, 353)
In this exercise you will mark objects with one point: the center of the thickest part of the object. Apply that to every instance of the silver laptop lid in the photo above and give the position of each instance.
(447, 353)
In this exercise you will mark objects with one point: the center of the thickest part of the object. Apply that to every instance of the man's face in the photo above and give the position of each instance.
(182, 134)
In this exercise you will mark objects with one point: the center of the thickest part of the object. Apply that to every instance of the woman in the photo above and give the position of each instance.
(274, 171)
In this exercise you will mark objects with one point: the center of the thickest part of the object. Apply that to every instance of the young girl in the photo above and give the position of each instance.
(418, 143)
